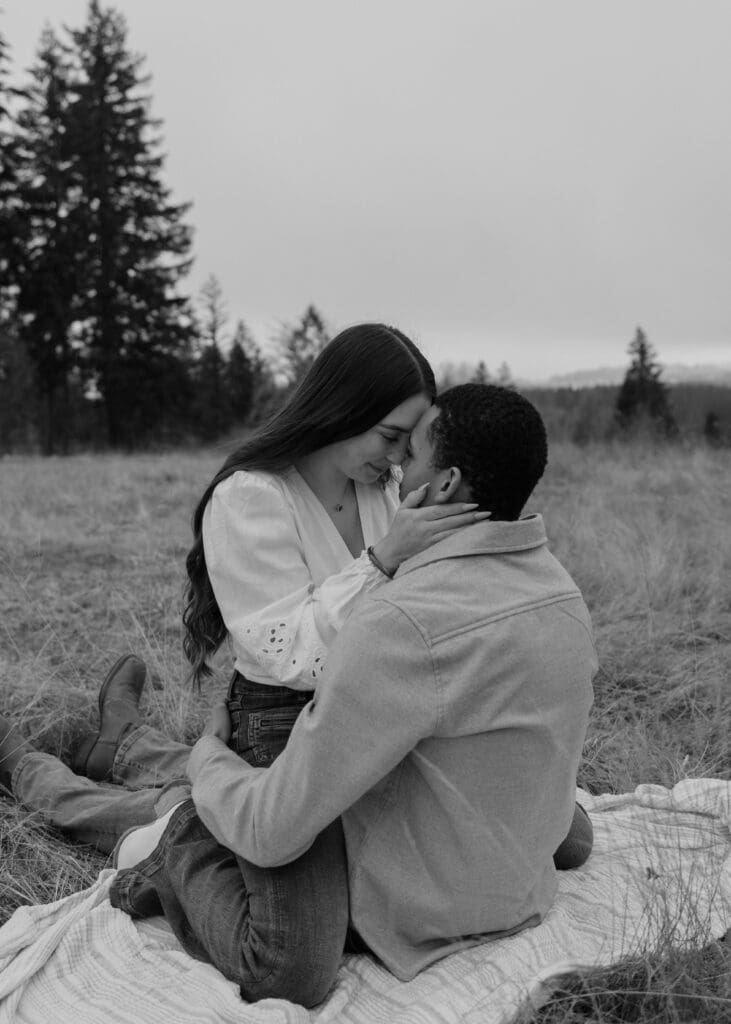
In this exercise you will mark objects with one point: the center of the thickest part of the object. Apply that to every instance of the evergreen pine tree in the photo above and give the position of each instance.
(211, 404)
(48, 263)
(213, 410)
(505, 377)
(213, 315)
(240, 375)
(267, 394)
(302, 344)
(17, 390)
(260, 367)
(11, 220)
(481, 374)
(138, 329)
(17, 394)
(643, 397)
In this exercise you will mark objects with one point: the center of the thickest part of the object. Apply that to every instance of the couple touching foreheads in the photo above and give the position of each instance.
(394, 769)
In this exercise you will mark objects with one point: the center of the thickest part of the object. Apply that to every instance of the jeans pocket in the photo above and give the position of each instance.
(260, 736)
(269, 731)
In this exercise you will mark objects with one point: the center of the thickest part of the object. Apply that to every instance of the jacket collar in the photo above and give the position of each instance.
(483, 538)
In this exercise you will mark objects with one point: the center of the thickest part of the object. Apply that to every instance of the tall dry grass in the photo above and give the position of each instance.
(92, 552)
(91, 565)
(646, 535)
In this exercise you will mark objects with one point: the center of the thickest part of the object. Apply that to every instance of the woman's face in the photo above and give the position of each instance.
(367, 456)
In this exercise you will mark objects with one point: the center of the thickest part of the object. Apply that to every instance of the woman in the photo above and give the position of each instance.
(300, 523)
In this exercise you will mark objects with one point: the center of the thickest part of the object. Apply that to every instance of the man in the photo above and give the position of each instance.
(445, 735)
(448, 726)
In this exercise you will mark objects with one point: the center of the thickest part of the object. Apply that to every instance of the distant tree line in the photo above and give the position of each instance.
(642, 407)
(585, 415)
(101, 346)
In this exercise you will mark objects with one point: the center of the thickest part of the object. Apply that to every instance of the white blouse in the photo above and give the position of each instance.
(282, 575)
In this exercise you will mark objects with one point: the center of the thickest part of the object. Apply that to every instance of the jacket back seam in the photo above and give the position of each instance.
(581, 622)
(507, 613)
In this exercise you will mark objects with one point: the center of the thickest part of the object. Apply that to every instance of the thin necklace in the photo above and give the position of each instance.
(339, 505)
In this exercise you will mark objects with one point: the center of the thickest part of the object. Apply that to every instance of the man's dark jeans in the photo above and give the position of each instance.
(276, 932)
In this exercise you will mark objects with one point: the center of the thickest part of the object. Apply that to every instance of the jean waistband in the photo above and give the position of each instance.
(247, 691)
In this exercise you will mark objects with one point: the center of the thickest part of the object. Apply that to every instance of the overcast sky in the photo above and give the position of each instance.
(518, 180)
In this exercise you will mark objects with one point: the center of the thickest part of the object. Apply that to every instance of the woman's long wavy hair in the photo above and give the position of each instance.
(358, 378)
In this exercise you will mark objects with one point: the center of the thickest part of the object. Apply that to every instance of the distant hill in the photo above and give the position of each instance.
(579, 406)
(672, 373)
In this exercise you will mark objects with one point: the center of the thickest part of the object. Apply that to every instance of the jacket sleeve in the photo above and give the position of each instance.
(376, 701)
(263, 586)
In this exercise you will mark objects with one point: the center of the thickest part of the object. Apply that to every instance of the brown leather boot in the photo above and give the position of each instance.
(12, 747)
(119, 700)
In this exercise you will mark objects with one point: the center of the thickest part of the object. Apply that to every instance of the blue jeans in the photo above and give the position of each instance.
(279, 933)
(276, 932)
(90, 812)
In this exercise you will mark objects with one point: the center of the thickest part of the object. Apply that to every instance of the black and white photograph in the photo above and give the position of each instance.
(365, 474)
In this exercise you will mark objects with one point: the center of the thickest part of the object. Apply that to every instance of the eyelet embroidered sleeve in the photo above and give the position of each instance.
(256, 562)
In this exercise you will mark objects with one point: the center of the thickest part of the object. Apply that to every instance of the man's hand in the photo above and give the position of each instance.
(219, 723)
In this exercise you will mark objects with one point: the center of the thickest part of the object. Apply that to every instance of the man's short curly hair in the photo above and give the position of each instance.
(498, 441)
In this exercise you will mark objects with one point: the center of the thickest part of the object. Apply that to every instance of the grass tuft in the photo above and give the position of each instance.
(671, 987)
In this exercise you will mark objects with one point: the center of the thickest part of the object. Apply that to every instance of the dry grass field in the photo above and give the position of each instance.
(91, 565)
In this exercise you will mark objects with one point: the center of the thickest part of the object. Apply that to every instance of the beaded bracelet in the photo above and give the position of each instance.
(379, 565)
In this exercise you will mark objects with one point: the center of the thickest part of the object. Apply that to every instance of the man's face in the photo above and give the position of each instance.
(417, 466)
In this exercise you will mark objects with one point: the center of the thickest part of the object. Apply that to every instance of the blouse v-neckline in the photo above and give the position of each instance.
(330, 524)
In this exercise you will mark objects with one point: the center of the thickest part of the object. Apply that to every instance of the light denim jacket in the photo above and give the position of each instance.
(447, 731)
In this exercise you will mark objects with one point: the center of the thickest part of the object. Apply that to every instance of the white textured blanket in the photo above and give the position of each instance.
(662, 859)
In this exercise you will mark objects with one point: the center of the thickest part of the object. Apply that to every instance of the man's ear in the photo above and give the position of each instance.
(446, 486)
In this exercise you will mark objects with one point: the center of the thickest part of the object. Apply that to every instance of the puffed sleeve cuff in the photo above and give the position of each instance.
(339, 595)
(290, 639)
(372, 576)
